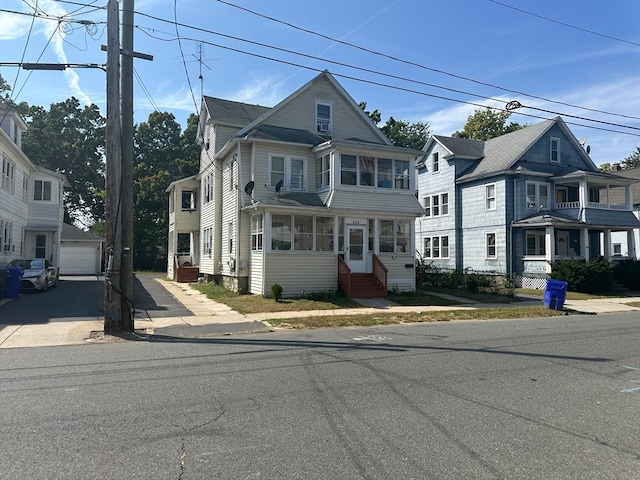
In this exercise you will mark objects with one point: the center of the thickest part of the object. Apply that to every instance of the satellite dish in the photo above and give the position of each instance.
(279, 186)
(588, 149)
(248, 188)
(582, 141)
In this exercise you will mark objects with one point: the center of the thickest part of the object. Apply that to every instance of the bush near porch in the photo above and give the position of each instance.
(628, 273)
(593, 276)
(430, 275)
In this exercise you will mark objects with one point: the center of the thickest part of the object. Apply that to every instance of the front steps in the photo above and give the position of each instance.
(365, 285)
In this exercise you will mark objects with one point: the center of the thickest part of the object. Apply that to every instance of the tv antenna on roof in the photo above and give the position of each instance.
(201, 63)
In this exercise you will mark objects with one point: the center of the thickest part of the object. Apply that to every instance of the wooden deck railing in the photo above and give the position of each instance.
(344, 276)
(380, 272)
(185, 274)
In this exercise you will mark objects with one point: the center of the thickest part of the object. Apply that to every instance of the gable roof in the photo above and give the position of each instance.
(228, 112)
(334, 83)
(69, 232)
(282, 134)
(503, 152)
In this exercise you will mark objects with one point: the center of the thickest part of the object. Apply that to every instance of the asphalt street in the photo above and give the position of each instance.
(552, 398)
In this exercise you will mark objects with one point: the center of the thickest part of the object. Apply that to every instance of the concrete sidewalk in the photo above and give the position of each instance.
(210, 317)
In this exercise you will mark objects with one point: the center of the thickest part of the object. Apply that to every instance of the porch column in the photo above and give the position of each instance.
(607, 243)
(631, 244)
(549, 247)
(585, 248)
(628, 193)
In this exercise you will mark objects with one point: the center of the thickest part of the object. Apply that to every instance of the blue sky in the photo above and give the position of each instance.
(434, 61)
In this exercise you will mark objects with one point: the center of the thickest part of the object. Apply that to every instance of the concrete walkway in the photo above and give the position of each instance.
(210, 317)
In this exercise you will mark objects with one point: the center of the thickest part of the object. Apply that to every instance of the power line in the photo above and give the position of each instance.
(404, 89)
(370, 71)
(565, 24)
(414, 64)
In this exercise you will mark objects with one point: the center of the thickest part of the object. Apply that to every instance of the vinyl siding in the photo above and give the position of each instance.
(398, 274)
(255, 273)
(260, 168)
(368, 202)
(208, 213)
(301, 114)
(294, 272)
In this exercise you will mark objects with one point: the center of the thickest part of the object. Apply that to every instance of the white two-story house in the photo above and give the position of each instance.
(513, 204)
(31, 206)
(308, 194)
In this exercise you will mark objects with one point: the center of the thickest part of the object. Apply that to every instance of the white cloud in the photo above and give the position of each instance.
(13, 26)
(260, 91)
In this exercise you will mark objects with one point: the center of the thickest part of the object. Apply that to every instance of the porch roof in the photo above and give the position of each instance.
(594, 219)
(291, 199)
(548, 218)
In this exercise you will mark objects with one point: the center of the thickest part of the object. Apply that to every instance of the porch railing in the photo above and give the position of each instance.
(344, 276)
(601, 206)
(380, 272)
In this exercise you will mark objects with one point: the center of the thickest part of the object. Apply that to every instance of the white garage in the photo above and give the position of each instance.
(80, 252)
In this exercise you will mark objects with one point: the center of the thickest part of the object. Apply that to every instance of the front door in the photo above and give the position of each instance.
(355, 255)
(562, 247)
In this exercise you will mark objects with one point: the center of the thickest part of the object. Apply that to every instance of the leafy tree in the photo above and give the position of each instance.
(605, 168)
(405, 134)
(401, 132)
(632, 160)
(5, 88)
(70, 140)
(486, 124)
(162, 154)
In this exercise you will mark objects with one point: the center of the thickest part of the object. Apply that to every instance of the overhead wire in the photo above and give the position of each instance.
(564, 24)
(377, 73)
(415, 64)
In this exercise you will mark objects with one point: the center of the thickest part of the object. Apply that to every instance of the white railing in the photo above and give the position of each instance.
(563, 205)
(601, 206)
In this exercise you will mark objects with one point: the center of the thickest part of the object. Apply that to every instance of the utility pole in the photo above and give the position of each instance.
(126, 86)
(113, 226)
(118, 304)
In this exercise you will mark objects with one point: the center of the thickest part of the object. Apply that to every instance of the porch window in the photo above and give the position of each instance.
(324, 234)
(490, 195)
(367, 171)
(291, 170)
(617, 249)
(348, 170)
(323, 171)
(394, 236)
(385, 173)
(188, 200)
(435, 162)
(490, 245)
(42, 190)
(323, 118)
(340, 234)
(303, 232)
(536, 244)
(594, 195)
(555, 150)
(281, 232)
(402, 175)
(256, 232)
(537, 195)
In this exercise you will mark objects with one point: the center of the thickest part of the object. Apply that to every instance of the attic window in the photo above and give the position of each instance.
(555, 150)
(323, 118)
(435, 162)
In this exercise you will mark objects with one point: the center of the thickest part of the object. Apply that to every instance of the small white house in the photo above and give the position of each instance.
(80, 252)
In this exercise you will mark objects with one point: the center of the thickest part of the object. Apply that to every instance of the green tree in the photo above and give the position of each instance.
(406, 134)
(401, 132)
(162, 154)
(605, 168)
(632, 160)
(70, 140)
(486, 124)
(5, 88)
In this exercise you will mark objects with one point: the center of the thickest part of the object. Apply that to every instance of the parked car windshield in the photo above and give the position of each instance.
(35, 264)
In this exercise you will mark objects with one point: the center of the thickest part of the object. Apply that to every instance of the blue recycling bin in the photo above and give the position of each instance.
(555, 294)
(14, 278)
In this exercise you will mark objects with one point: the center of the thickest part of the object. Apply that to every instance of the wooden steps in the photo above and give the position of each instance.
(365, 285)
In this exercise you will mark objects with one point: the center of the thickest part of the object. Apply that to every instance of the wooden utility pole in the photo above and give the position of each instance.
(126, 86)
(113, 226)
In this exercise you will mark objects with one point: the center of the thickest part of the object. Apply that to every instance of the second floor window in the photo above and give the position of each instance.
(323, 171)
(369, 171)
(435, 162)
(291, 170)
(436, 205)
(490, 195)
(42, 190)
(537, 195)
(8, 175)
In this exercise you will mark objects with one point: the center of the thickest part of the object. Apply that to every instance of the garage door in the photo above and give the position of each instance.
(79, 260)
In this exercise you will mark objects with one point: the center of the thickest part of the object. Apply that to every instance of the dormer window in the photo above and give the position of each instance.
(555, 150)
(323, 118)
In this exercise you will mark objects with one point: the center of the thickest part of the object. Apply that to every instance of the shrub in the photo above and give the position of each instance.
(276, 292)
(627, 272)
(594, 276)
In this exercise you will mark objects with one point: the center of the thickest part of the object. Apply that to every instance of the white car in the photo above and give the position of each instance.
(38, 274)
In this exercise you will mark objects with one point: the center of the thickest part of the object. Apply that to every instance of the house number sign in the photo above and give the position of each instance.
(355, 221)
